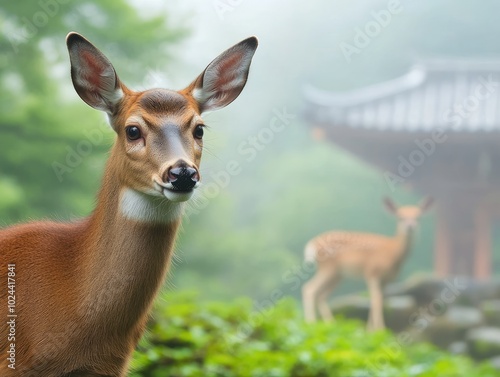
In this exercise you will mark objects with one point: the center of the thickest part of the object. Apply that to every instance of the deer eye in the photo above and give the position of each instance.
(198, 132)
(133, 132)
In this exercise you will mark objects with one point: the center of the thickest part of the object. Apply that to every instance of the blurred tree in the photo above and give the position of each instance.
(52, 148)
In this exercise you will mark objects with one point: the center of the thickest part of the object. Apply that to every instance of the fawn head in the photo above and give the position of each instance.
(408, 216)
(159, 131)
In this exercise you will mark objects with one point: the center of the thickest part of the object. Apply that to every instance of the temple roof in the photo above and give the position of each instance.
(456, 95)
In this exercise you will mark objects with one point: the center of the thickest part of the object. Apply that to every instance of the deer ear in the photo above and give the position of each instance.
(94, 77)
(225, 77)
(390, 205)
(426, 204)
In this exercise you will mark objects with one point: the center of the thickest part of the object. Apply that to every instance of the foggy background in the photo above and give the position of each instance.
(248, 237)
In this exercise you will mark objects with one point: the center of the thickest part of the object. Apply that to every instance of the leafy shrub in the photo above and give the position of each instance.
(188, 338)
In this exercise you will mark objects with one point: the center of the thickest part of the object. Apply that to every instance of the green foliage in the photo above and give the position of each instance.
(226, 340)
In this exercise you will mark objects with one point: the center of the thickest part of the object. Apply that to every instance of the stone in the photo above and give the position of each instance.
(422, 287)
(491, 312)
(458, 348)
(484, 342)
(495, 361)
(397, 311)
(352, 307)
(475, 292)
(452, 326)
(462, 290)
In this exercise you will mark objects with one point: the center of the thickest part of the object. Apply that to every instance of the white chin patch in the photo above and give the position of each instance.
(175, 196)
(142, 207)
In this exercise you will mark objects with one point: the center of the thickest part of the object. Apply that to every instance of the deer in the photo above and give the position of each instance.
(375, 258)
(84, 290)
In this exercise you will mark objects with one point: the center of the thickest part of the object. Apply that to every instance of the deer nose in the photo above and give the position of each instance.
(411, 224)
(182, 177)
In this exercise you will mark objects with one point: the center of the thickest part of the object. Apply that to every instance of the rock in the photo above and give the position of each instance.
(458, 348)
(495, 361)
(465, 317)
(452, 326)
(484, 342)
(473, 292)
(457, 290)
(423, 288)
(352, 307)
(397, 311)
(491, 312)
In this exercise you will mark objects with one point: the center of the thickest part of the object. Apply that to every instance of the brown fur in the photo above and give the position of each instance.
(83, 289)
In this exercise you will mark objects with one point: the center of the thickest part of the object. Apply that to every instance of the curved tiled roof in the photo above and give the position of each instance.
(457, 95)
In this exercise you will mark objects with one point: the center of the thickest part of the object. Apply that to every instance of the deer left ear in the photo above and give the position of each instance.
(426, 204)
(390, 206)
(225, 77)
(93, 75)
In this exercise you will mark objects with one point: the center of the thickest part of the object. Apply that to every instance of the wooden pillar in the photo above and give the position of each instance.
(456, 236)
(482, 266)
(463, 236)
(442, 251)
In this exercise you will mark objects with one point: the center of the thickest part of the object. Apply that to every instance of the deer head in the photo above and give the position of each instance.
(159, 131)
(408, 216)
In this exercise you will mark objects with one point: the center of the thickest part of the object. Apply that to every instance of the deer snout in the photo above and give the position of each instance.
(181, 176)
(410, 224)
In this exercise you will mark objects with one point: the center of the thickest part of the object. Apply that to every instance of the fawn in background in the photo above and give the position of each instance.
(373, 257)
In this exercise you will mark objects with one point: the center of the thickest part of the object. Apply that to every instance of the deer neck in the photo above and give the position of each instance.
(404, 237)
(129, 244)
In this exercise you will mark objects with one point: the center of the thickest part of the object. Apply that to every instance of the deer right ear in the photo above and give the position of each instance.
(390, 206)
(426, 204)
(225, 77)
(93, 75)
